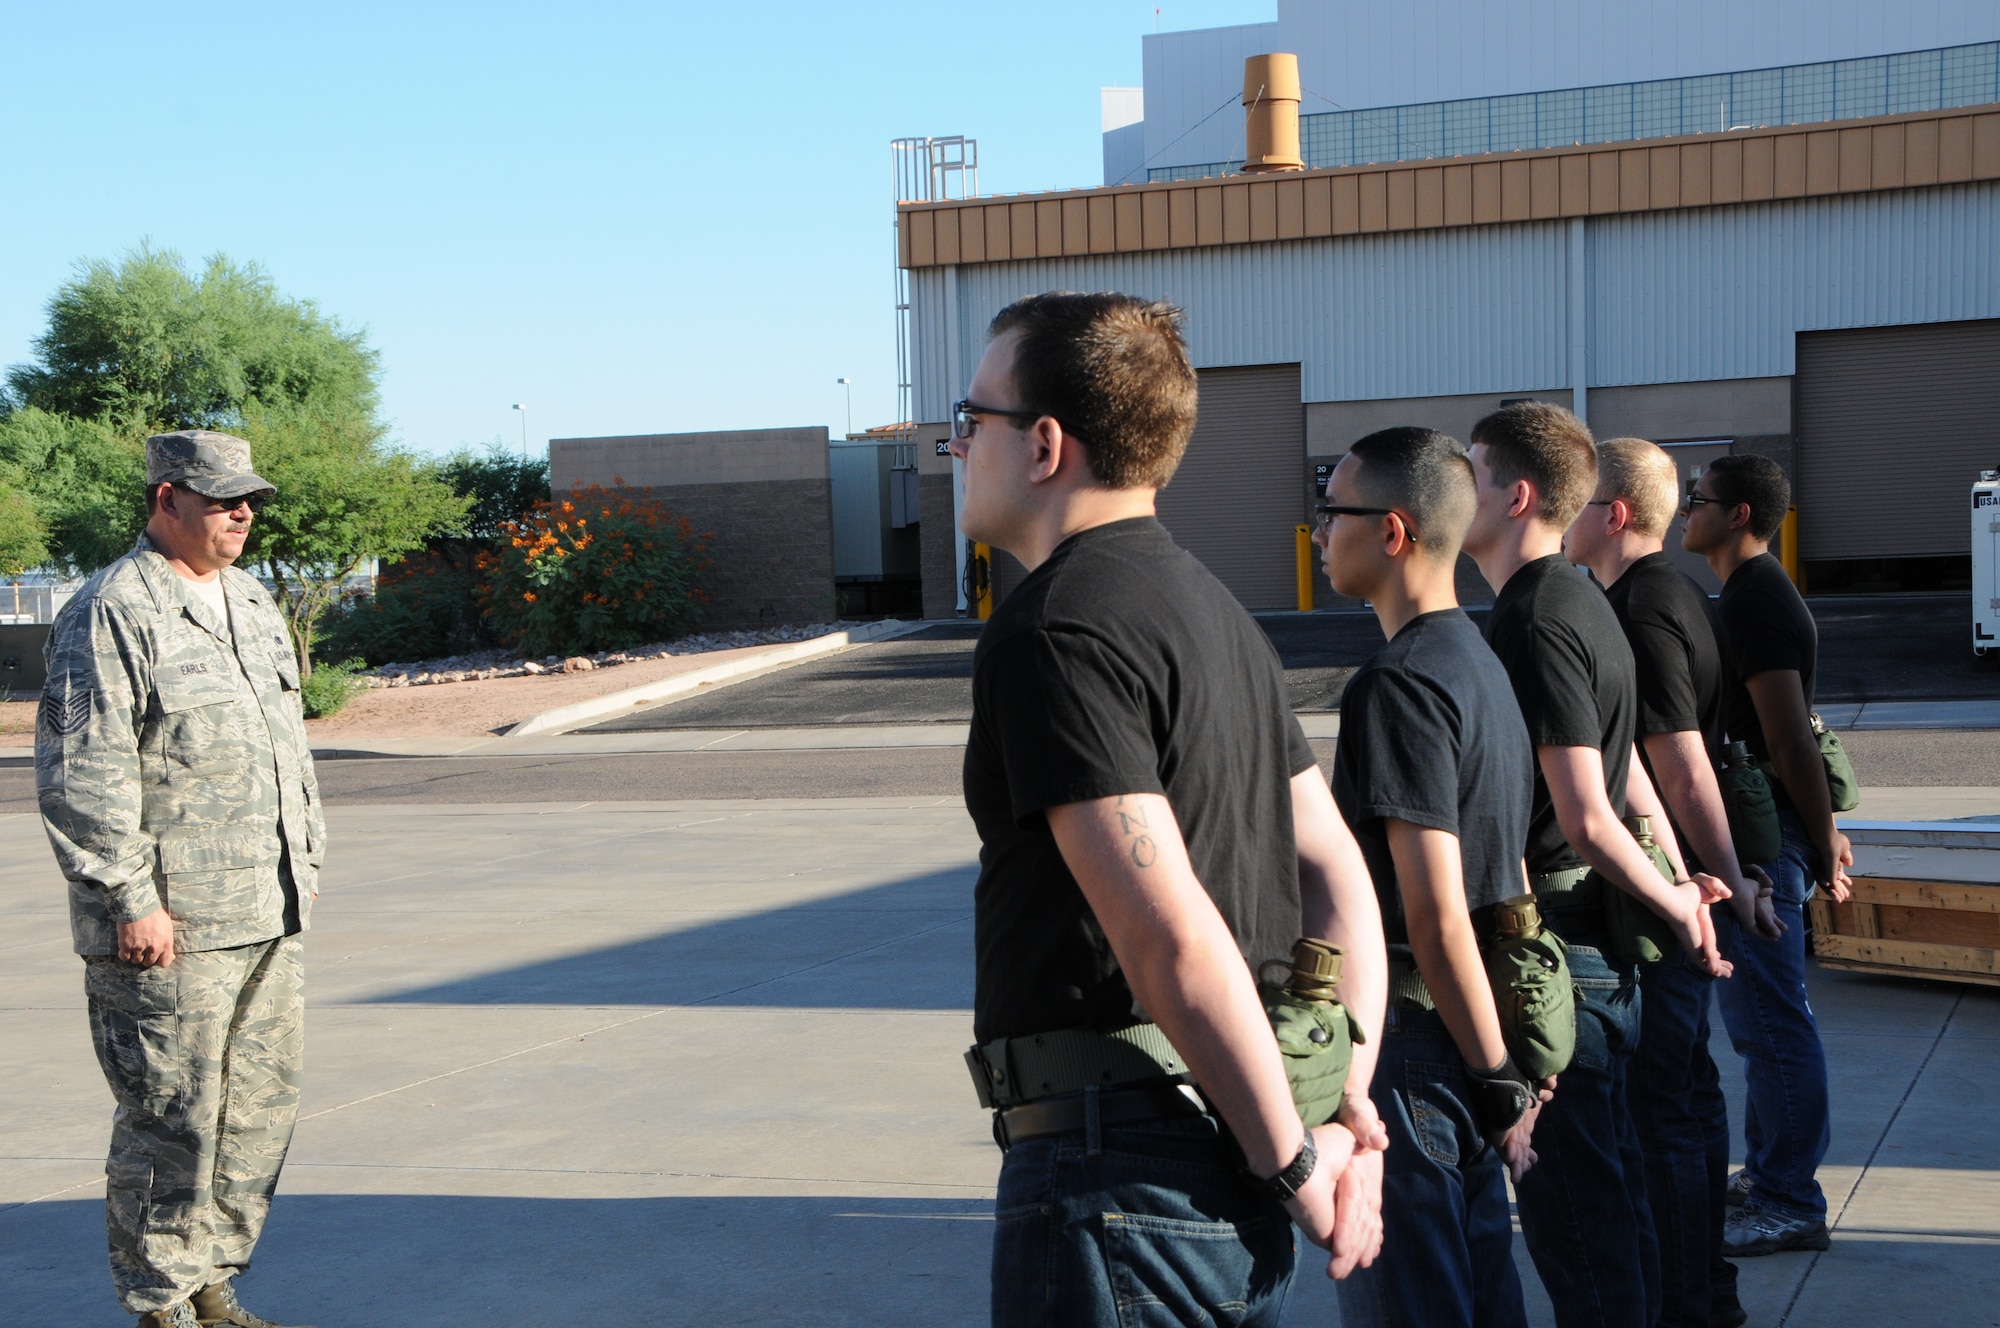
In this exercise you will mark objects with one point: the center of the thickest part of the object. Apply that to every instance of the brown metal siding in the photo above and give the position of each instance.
(1886, 152)
(1894, 424)
(1235, 501)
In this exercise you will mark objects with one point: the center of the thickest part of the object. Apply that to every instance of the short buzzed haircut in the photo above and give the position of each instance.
(1643, 475)
(1425, 474)
(1114, 372)
(1758, 481)
(1546, 446)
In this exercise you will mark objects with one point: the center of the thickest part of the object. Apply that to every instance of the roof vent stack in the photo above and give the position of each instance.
(1271, 114)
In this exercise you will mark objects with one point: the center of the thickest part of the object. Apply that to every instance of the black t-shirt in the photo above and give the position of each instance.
(1670, 626)
(1572, 675)
(1765, 626)
(1121, 665)
(1430, 734)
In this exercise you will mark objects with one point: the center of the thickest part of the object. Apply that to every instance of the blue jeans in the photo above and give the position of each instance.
(1153, 1225)
(1447, 1256)
(1683, 1124)
(1771, 1025)
(1583, 1205)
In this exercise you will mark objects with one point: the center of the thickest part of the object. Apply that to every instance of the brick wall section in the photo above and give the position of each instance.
(939, 532)
(771, 548)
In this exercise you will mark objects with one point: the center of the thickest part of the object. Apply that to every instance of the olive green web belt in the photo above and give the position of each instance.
(1010, 1071)
(1572, 887)
(1406, 985)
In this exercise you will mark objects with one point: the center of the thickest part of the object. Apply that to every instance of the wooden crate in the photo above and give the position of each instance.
(1926, 902)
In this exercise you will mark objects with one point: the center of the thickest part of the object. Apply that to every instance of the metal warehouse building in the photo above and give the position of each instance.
(1609, 210)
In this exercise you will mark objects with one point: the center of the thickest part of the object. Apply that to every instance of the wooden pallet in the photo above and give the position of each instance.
(1911, 925)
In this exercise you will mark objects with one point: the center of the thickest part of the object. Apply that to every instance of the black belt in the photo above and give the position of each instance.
(1071, 1112)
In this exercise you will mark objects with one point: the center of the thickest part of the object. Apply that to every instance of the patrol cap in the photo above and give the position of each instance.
(215, 465)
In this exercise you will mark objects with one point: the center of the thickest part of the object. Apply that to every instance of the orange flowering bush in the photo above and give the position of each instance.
(598, 570)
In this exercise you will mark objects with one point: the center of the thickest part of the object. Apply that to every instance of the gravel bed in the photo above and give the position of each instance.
(484, 664)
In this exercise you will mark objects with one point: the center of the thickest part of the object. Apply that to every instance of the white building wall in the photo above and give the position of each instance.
(1361, 53)
(1682, 296)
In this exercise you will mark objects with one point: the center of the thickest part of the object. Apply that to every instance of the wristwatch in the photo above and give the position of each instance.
(1287, 1183)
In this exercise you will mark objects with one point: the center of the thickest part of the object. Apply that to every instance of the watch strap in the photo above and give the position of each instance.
(1287, 1183)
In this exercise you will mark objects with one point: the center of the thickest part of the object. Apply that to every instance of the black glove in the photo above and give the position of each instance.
(1500, 1097)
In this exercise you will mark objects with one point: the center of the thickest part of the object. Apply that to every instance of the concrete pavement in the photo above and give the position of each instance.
(698, 1062)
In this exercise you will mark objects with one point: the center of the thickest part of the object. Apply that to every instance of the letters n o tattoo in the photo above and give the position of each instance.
(1144, 852)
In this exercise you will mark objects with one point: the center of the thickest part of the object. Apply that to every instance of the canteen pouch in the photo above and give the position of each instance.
(1315, 1032)
(1843, 791)
(1841, 785)
(1753, 813)
(1316, 1039)
(1638, 934)
(1533, 993)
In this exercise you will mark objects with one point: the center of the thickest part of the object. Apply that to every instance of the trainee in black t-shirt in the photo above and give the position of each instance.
(1572, 676)
(1670, 626)
(1765, 626)
(1430, 734)
(1121, 665)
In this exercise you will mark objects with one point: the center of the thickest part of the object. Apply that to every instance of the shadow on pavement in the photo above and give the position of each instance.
(906, 946)
(446, 1261)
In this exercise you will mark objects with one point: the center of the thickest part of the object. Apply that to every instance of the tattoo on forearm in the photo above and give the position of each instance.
(1133, 824)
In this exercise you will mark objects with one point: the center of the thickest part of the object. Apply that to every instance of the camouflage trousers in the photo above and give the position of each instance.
(203, 1057)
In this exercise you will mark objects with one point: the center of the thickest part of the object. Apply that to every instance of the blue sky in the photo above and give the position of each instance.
(632, 218)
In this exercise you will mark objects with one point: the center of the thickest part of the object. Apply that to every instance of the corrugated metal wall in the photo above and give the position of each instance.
(1679, 296)
(1894, 424)
(1470, 310)
(1709, 293)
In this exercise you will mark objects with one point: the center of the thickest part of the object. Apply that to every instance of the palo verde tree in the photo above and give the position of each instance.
(147, 345)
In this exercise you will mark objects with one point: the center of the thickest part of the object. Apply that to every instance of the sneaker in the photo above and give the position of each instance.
(1737, 1192)
(174, 1316)
(1730, 1315)
(1753, 1231)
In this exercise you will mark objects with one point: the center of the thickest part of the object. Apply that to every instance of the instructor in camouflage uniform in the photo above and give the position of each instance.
(177, 788)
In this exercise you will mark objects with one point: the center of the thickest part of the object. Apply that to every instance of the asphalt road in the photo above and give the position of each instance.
(1872, 648)
(1884, 758)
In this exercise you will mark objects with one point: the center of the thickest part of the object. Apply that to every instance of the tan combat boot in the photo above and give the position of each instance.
(215, 1307)
(175, 1316)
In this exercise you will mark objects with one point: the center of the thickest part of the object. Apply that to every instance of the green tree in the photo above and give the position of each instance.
(86, 480)
(23, 537)
(343, 498)
(151, 344)
(146, 345)
(503, 487)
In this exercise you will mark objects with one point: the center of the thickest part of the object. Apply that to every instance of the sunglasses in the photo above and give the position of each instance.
(254, 501)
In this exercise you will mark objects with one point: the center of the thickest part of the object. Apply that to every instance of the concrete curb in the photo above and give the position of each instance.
(564, 718)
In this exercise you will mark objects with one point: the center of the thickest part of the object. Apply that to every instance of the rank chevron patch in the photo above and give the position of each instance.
(65, 715)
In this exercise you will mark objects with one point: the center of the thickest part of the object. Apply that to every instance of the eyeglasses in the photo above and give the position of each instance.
(1695, 500)
(1328, 511)
(965, 417)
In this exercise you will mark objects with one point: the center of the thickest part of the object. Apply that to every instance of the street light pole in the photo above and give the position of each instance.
(522, 407)
(848, 383)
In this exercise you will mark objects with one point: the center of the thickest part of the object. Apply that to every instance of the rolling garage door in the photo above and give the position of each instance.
(1894, 424)
(1240, 490)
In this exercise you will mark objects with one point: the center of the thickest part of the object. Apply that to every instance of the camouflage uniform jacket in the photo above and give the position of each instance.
(172, 763)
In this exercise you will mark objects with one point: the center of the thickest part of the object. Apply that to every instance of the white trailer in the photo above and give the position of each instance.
(1986, 562)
